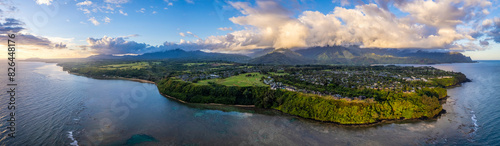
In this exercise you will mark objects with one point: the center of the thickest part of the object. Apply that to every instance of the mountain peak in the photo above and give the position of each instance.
(282, 56)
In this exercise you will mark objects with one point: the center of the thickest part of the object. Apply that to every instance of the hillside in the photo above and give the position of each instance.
(282, 56)
(177, 54)
(364, 56)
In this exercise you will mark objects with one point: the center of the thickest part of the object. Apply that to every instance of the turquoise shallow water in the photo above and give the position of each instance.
(57, 108)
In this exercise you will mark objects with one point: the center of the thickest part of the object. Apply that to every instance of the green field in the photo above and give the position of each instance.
(193, 64)
(135, 65)
(222, 64)
(278, 74)
(240, 80)
(204, 63)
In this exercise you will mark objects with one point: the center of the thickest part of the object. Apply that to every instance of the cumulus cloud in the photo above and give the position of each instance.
(445, 13)
(494, 32)
(426, 24)
(188, 33)
(26, 39)
(192, 34)
(484, 42)
(141, 10)
(392, 32)
(129, 36)
(44, 2)
(94, 9)
(342, 2)
(60, 46)
(123, 13)
(84, 3)
(11, 25)
(468, 46)
(273, 22)
(429, 24)
(169, 3)
(116, 1)
(32, 40)
(16, 26)
(490, 28)
(225, 28)
(118, 45)
(94, 21)
(106, 20)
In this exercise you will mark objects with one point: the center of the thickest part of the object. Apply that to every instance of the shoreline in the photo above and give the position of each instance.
(115, 78)
(377, 123)
(216, 104)
(164, 95)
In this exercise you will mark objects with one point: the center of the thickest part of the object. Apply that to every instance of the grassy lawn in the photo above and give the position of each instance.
(445, 81)
(136, 65)
(278, 74)
(203, 63)
(245, 66)
(240, 80)
(193, 64)
(222, 64)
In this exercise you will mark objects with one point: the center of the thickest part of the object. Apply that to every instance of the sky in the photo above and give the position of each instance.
(81, 28)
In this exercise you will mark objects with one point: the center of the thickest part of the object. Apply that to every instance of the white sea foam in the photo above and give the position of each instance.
(474, 121)
(70, 135)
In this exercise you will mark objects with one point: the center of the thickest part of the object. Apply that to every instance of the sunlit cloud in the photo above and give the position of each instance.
(84, 3)
(141, 10)
(44, 2)
(107, 19)
(123, 13)
(225, 28)
(429, 25)
(94, 21)
(116, 1)
(118, 45)
(101, 9)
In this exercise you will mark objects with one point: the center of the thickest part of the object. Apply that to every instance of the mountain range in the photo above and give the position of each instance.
(357, 56)
(352, 55)
(177, 54)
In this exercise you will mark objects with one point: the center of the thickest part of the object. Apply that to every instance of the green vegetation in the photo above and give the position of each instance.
(398, 106)
(394, 105)
(278, 74)
(135, 65)
(191, 64)
(444, 82)
(204, 63)
(242, 80)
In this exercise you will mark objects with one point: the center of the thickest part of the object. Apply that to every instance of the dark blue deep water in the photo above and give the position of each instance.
(57, 108)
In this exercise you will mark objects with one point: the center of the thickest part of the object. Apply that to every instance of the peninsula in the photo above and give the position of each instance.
(331, 93)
